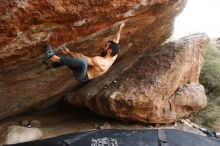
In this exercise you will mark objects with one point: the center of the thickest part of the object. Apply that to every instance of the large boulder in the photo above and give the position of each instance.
(83, 26)
(160, 86)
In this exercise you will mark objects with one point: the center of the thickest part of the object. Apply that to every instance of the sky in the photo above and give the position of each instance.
(199, 16)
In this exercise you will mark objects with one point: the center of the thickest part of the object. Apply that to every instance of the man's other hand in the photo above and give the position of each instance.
(64, 50)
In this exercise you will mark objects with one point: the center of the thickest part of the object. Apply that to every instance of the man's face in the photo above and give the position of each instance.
(106, 46)
(105, 49)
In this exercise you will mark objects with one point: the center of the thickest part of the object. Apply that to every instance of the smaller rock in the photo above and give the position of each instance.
(18, 134)
(25, 123)
(96, 126)
(106, 125)
(35, 123)
(218, 134)
(149, 126)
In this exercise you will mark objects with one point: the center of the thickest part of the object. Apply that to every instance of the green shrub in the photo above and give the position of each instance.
(210, 78)
(210, 73)
(208, 117)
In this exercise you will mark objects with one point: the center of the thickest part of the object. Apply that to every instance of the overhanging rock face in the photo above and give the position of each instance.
(83, 26)
(160, 87)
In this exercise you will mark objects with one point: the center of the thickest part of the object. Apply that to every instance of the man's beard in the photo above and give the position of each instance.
(103, 53)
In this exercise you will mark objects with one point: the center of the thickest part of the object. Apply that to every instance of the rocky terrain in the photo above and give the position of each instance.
(161, 86)
(153, 81)
(83, 26)
(61, 119)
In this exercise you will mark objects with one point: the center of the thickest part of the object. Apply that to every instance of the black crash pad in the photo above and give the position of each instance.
(120, 137)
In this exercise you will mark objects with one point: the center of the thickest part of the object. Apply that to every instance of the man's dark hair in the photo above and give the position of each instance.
(115, 48)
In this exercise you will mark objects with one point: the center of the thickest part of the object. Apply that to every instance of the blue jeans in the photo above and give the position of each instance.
(79, 67)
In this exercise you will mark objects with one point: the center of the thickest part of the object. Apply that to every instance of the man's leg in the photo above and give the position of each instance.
(52, 55)
(78, 65)
(70, 62)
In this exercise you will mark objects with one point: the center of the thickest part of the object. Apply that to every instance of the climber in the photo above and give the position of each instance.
(86, 68)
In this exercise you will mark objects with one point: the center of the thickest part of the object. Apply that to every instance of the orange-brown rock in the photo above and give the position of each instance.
(161, 86)
(83, 26)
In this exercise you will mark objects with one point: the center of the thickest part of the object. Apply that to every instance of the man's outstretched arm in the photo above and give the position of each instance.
(118, 33)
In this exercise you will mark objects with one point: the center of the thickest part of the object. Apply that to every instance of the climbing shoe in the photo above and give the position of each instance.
(49, 52)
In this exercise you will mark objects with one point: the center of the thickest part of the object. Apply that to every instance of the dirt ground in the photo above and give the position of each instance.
(62, 119)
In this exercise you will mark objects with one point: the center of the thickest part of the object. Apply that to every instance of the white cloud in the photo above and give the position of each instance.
(199, 16)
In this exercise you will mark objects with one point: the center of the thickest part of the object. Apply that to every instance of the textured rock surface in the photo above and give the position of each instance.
(83, 26)
(154, 88)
